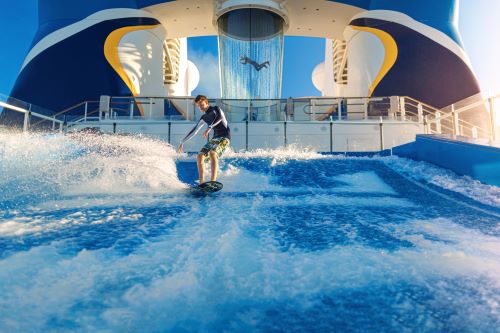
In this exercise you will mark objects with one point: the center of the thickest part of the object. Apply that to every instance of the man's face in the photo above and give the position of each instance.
(202, 105)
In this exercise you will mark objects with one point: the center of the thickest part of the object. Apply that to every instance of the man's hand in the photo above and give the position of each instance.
(179, 149)
(205, 134)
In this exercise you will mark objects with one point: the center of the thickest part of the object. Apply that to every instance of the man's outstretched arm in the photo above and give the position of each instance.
(191, 133)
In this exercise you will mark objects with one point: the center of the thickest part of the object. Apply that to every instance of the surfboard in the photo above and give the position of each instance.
(206, 188)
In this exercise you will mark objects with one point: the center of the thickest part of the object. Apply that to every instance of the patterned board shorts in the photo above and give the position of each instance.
(217, 145)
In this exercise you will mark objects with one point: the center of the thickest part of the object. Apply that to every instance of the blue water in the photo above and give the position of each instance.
(100, 234)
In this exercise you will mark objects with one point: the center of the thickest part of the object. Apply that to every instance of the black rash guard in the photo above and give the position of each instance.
(216, 120)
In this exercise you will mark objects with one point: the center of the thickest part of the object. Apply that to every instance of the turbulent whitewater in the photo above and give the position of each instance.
(99, 233)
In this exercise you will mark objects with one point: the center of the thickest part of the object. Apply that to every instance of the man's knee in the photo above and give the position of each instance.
(213, 154)
(199, 157)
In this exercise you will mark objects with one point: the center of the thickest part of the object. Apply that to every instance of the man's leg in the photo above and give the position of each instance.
(214, 160)
(201, 167)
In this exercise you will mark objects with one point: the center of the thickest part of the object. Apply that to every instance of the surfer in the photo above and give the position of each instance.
(215, 119)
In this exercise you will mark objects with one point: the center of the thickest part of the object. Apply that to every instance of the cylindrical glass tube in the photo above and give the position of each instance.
(251, 54)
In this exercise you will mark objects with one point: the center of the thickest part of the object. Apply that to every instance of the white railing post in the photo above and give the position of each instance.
(365, 108)
(131, 109)
(456, 124)
(193, 104)
(474, 132)
(289, 108)
(394, 106)
(104, 106)
(187, 109)
(249, 110)
(381, 132)
(402, 108)
(268, 116)
(86, 111)
(438, 122)
(493, 135)
(420, 109)
(26, 121)
(427, 126)
(313, 106)
(150, 108)
(339, 108)
(310, 110)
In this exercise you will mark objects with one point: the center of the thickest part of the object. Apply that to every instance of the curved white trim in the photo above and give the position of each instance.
(430, 32)
(72, 29)
(270, 5)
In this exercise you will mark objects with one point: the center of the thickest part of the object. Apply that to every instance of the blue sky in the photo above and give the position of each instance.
(479, 25)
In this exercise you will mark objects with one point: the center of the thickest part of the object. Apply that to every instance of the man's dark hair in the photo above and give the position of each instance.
(200, 98)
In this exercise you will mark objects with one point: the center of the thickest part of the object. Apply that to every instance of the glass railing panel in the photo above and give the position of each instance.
(236, 110)
(301, 110)
(325, 109)
(379, 107)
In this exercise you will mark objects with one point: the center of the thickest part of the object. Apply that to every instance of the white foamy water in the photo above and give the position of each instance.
(280, 154)
(80, 164)
(447, 179)
(41, 174)
(212, 268)
(99, 234)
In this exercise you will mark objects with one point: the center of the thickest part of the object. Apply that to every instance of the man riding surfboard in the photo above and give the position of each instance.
(216, 120)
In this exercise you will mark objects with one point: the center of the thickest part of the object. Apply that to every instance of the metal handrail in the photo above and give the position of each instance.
(404, 108)
(74, 107)
(471, 126)
(419, 102)
(439, 118)
(468, 107)
(28, 114)
(279, 105)
(126, 121)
